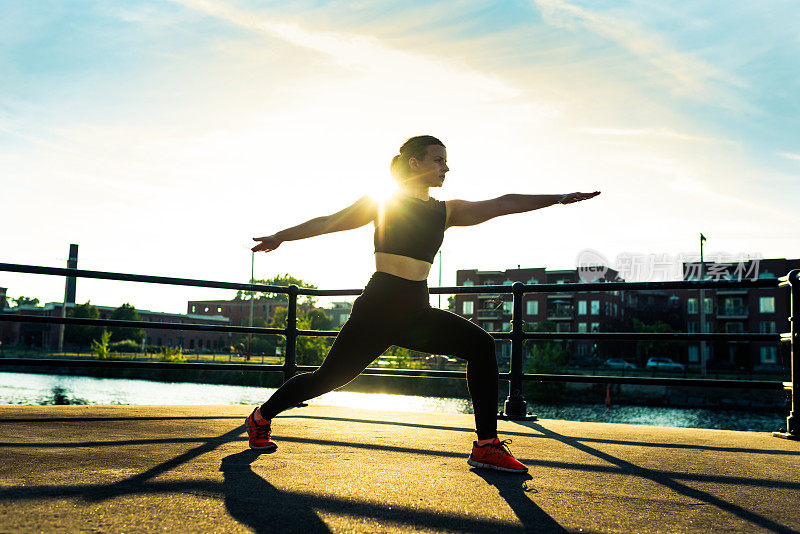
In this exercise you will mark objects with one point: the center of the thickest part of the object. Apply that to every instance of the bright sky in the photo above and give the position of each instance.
(161, 136)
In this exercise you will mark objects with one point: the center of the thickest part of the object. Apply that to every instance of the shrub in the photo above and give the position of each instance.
(100, 348)
(171, 354)
(126, 345)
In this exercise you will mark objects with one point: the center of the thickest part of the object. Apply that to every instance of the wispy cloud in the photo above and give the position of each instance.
(789, 155)
(686, 74)
(655, 132)
(360, 52)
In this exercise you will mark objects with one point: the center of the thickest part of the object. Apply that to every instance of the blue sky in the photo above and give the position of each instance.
(161, 136)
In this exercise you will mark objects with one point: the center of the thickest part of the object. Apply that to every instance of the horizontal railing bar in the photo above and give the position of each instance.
(127, 364)
(654, 381)
(542, 377)
(528, 288)
(612, 286)
(167, 280)
(662, 336)
(668, 336)
(14, 318)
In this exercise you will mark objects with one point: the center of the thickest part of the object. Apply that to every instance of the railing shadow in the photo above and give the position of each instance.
(660, 477)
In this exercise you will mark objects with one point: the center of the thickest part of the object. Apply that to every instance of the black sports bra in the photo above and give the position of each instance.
(411, 227)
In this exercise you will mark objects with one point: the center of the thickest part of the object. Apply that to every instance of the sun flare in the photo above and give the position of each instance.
(383, 190)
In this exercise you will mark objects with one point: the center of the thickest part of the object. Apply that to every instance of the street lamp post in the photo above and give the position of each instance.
(702, 310)
(252, 298)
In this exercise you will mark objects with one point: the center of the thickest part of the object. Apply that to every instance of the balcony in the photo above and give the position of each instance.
(733, 312)
(561, 312)
(739, 291)
(490, 314)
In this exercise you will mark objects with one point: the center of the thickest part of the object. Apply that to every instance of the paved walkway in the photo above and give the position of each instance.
(135, 469)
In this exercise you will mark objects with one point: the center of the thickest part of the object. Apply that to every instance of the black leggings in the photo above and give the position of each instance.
(395, 311)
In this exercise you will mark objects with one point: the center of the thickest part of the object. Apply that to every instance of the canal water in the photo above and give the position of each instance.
(41, 389)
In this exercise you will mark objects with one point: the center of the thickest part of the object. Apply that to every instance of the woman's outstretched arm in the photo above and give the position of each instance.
(466, 213)
(354, 216)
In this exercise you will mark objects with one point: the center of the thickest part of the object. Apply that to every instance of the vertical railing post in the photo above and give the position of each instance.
(515, 407)
(290, 356)
(793, 421)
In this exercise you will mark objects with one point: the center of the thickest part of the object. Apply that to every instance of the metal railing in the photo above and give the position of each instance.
(515, 406)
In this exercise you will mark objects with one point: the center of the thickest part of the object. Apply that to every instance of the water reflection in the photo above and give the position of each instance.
(38, 389)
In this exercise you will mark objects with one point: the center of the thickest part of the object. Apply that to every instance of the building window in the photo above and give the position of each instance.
(595, 327)
(768, 355)
(488, 326)
(194, 309)
(468, 307)
(768, 327)
(581, 307)
(533, 307)
(508, 306)
(563, 327)
(709, 305)
(691, 305)
(468, 283)
(508, 282)
(533, 281)
(582, 327)
(488, 282)
(734, 327)
(505, 350)
(691, 327)
(766, 304)
(595, 307)
(709, 327)
(506, 327)
(694, 353)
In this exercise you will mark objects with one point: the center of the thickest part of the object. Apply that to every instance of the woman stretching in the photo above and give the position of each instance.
(394, 308)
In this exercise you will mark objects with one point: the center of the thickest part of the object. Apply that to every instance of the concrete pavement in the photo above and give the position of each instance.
(188, 469)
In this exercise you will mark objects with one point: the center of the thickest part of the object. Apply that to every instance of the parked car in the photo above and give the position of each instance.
(618, 363)
(586, 363)
(773, 368)
(664, 364)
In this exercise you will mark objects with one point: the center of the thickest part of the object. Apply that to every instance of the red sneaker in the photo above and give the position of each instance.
(259, 433)
(495, 455)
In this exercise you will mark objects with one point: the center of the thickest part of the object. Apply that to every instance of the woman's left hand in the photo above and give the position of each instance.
(569, 198)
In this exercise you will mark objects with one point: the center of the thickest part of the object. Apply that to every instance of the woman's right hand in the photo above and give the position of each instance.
(267, 244)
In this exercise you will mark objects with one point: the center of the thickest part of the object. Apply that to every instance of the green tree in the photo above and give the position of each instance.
(311, 350)
(278, 280)
(126, 312)
(81, 335)
(649, 348)
(545, 356)
(451, 303)
(24, 301)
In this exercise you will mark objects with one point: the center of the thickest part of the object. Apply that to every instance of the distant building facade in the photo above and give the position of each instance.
(761, 310)
(45, 336)
(568, 311)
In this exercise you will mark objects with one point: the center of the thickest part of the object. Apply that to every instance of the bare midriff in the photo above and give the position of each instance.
(402, 266)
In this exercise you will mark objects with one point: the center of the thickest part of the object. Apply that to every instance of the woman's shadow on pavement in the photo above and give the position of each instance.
(513, 489)
(254, 502)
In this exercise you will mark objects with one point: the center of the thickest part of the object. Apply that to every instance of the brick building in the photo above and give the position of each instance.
(45, 336)
(238, 311)
(759, 310)
(569, 311)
